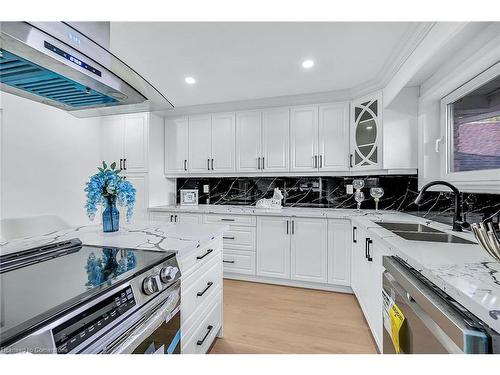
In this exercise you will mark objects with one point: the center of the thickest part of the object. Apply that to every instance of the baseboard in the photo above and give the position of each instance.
(293, 283)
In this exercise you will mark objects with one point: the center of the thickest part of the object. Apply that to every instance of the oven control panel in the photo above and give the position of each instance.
(86, 324)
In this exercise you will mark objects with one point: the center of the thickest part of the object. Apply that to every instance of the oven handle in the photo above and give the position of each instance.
(130, 339)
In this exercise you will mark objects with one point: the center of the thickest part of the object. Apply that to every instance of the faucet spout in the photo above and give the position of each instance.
(458, 223)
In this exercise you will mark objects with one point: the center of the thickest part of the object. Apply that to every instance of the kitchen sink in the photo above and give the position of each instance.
(408, 227)
(432, 237)
(420, 232)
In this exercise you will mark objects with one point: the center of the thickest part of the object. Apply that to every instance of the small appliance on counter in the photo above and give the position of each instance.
(189, 197)
(71, 298)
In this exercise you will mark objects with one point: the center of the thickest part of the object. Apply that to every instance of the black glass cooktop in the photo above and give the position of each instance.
(44, 286)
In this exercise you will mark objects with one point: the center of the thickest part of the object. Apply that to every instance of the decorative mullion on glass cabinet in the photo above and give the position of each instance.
(366, 133)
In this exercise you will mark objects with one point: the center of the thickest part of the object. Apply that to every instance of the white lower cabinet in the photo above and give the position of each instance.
(366, 281)
(273, 247)
(201, 298)
(339, 252)
(237, 261)
(309, 249)
(176, 217)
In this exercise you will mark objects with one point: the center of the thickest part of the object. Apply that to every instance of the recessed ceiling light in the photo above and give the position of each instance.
(190, 80)
(307, 64)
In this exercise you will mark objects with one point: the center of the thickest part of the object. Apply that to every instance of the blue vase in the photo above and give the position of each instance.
(110, 216)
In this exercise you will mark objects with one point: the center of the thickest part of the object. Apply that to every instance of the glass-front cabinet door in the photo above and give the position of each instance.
(366, 132)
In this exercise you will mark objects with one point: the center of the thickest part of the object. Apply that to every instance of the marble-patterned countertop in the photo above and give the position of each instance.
(181, 238)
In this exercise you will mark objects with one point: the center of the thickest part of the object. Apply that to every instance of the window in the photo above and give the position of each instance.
(474, 129)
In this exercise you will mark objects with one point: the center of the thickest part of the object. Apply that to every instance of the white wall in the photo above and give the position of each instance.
(47, 156)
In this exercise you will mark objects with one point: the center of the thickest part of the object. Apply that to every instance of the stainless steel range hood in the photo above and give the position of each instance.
(56, 64)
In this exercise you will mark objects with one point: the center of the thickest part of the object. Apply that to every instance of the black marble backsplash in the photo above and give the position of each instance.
(400, 193)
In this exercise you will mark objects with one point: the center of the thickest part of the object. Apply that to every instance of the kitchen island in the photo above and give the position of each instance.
(198, 250)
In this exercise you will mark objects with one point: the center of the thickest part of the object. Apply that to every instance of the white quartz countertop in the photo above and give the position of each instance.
(333, 213)
(181, 238)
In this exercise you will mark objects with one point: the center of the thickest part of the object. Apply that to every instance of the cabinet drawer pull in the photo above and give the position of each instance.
(368, 250)
(229, 261)
(204, 255)
(209, 284)
(223, 219)
(200, 342)
(227, 238)
(354, 234)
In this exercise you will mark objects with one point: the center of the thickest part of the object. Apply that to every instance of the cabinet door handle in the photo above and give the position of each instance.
(200, 342)
(258, 162)
(208, 164)
(185, 164)
(321, 161)
(350, 160)
(228, 261)
(354, 234)
(263, 167)
(171, 218)
(204, 255)
(315, 161)
(212, 164)
(293, 226)
(209, 284)
(121, 165)
(227, 238)
(175, 218)
(369, 253)
(124, 164)
(366, 248)
(287, 225)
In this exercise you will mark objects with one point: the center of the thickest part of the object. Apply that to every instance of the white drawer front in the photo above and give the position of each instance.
(162, 216)
(240, 238)
(236, 261)
(201, 336)
(230, 219)
(200, 257)
(200, 287)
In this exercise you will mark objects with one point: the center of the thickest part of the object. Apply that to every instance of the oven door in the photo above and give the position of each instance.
(152, 330)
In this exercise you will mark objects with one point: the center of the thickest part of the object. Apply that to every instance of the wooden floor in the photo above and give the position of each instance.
(263, 318)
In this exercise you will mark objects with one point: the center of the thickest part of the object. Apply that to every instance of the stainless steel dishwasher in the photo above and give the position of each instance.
(433, 322)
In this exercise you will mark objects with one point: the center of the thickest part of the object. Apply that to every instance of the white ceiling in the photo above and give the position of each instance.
(242, 61)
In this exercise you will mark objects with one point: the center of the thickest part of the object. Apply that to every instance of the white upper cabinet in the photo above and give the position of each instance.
(223, 142)
(366, 133)
(248, 141)
(126, 141)
(309, 249)
(334, 137)
(275, 140)
(177, 145)
(304, 138)
(200, 145)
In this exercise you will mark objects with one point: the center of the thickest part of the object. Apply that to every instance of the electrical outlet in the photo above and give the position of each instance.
(205, 188)
(349, 189)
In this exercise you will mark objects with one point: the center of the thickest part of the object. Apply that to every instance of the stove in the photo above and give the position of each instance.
(67, 297)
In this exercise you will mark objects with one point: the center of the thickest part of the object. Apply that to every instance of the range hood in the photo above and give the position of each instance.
(56, 64)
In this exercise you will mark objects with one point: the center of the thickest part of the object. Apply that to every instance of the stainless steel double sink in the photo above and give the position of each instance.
(420, 232)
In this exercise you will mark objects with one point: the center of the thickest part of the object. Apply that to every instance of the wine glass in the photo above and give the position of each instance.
(376, 193)
(358, 184)
(359, 197)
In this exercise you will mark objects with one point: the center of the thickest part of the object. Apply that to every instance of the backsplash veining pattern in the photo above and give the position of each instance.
(400, 193)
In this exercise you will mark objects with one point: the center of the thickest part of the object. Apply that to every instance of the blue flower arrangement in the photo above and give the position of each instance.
(107, 187)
